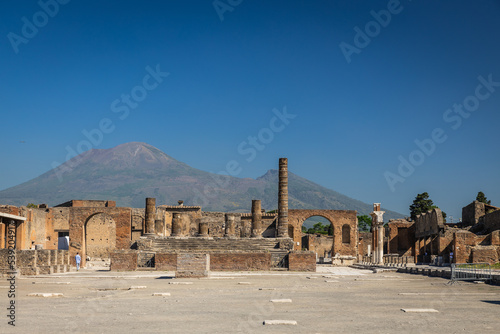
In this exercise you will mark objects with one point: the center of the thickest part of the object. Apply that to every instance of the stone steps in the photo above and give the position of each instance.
(194, 244)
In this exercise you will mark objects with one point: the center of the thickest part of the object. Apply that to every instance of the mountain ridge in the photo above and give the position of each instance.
(132, 171)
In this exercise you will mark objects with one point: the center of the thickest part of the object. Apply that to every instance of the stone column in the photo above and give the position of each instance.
(176, 224)
(203, 230)
(256, 218)
(380, 245)
(283, 199)
(2, 235)
(150, 216)
(378, 226)
(230, 226)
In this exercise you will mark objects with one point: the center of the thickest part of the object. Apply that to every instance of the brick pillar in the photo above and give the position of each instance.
(283, 199)
(230, 226)
(150, 215)
(256, 218)
(176, 224)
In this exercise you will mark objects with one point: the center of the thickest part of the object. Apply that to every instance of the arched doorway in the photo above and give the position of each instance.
(317, 235)
(100, 236)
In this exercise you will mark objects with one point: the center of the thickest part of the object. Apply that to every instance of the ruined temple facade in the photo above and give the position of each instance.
(161, 235)
(97, 229)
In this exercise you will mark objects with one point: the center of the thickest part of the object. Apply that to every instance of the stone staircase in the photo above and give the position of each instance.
(215, 245)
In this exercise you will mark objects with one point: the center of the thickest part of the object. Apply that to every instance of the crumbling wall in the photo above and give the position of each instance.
(472, 212)
(216, 223)
(429, 223)
(492, 221)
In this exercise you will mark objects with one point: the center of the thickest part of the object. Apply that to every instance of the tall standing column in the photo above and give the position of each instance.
(150, 216)
(283, 199)
(378, 226)
(256, 218)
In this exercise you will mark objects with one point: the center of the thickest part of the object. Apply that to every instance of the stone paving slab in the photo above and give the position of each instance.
(222, 306)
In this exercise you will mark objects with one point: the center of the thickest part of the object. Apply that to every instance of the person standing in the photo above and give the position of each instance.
(78, 259)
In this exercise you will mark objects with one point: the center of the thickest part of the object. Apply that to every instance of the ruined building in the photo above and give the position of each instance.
(154, 236)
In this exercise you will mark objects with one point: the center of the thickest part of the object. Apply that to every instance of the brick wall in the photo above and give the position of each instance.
(123, 260)
(240, 261)
(492, 221)
(166, 261)
(488, 254)
(302, 261)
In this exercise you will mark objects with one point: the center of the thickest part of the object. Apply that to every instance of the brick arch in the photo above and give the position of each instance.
(337, 218)
(99, 235)
(78, 217)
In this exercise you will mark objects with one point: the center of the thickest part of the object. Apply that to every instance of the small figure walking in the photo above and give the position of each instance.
(78, 259)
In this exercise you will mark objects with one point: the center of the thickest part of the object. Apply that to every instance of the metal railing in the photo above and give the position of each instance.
(470, 272)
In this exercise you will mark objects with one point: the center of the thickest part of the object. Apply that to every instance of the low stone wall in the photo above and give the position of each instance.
(240, 261)
(302, 261)
(123, 261)
(35, 262)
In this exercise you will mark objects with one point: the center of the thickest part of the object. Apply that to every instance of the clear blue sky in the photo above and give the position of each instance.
(353, 119)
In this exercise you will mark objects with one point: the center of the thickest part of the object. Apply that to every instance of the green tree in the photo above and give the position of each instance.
(364, 223)
(421, 204)
(318, 228)
(31, 205)
(482, 198)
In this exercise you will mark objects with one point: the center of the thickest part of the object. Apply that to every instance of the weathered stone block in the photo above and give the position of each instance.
(302, 261)
(192, 265)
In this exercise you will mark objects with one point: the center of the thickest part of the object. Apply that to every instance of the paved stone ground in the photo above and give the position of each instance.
(332, 300)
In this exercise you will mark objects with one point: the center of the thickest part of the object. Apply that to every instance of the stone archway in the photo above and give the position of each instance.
(319, 242)
(342, 221)
(100, 236)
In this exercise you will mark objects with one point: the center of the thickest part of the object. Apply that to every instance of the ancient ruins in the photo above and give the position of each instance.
(191, 241)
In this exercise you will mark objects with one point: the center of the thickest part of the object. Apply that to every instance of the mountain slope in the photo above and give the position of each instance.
(130, 172)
